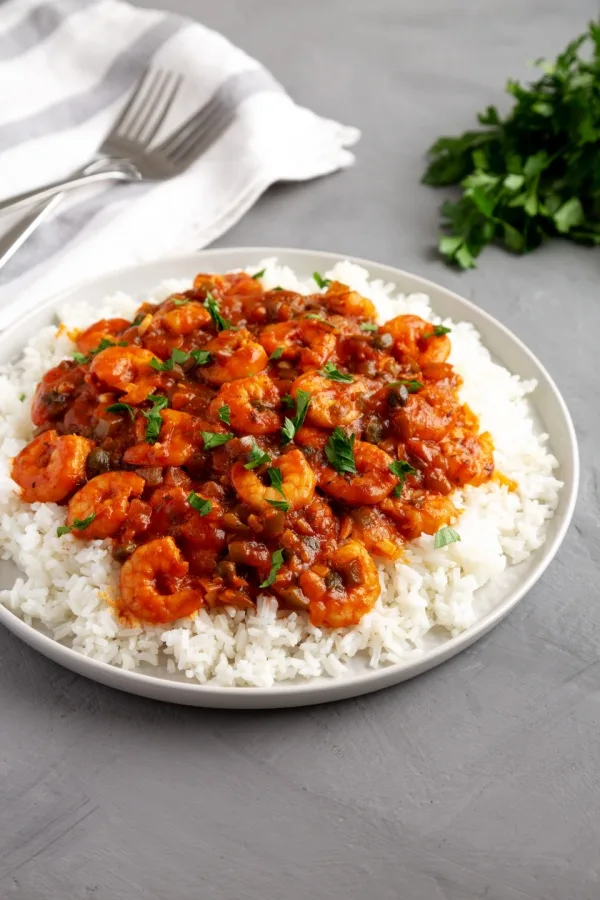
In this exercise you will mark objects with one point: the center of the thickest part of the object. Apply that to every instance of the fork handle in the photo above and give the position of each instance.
(127, 172)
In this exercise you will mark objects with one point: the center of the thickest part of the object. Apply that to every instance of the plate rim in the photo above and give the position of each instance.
(307, 692)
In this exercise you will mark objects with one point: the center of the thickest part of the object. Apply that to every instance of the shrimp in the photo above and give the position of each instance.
(234, 355)
(50, 467)
(469, 457)
(376, 532)
(372, 483)
(153, 584)
(419, 513)
(419, 419)
(107, 497)
(344, 589)
(104, 329)
(332, 403)
(176, 444)
(304, 341)
(125, 369)
(252, 404)
(414, 337)
(183, 319)
(298, 483)
(342, 300)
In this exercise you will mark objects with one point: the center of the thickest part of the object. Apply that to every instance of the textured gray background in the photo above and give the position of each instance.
(477, 780)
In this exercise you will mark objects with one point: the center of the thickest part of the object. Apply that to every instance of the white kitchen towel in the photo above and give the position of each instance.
(66, 68)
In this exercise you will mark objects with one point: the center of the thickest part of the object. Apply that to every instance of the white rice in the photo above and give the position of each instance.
(66, 583)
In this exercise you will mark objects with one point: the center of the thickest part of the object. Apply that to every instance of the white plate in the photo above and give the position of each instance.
(549, 406)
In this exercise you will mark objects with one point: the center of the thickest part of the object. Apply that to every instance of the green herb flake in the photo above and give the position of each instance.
(438, 331)
(276, 479)
(177, 357)
(330, 371)
(278, 288)
(201, 357)
(211, 304)
(260, 274)
(78, 525)
(198, 503)
(340, 451)
(316, 317)
(282, 505)
(321, 282)
(225, 414)
(122, 407)
(139, 319)
(154, 417)
(400, 468)
(368, 326)
(180, 301)
(288, 401)
(411, 385)
(22, 397)
(445, 536)
(276, 564)
(291, 426)
(214, 439)
(257, 458)
(277, 353)
(81, 358)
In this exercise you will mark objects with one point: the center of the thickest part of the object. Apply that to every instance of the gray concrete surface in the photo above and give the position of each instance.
(477, 780)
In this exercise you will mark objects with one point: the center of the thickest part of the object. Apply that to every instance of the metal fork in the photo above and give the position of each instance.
(125, 153)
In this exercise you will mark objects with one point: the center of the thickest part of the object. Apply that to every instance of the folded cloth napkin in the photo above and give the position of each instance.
(66, 68)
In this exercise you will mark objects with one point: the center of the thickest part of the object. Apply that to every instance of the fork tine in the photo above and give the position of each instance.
(133, 128)
(203, 136)
(171, 144)
(161, 113)
(130, 103)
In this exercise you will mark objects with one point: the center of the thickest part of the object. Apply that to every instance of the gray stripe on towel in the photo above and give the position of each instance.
(37, 25)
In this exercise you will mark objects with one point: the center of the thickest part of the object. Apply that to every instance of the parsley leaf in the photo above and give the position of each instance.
(257, 458)
(438, 331)
(177, 356)
(199, 503)
(78, 525)
(288, 400)
(532, 174)
(282, 505)
(444, 536)
(276, 564)
(212, 306)
(291, 426)
(277, 353)
(80, 358)
(330, 371)
(340, 451)
(22, 397)
(180, 301)
(154, 417)
(260, 274)
(410, 384)
(104, 344)
(368, 326)
(317, 318)
(214, 439)
(201, 357)
(321, 282)
(122, 407)
(276, 479)
(400, 468)
(225, 414)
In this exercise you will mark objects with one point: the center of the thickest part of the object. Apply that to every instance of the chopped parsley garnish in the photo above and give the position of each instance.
(400, 468)
(321, 282)
(154, 417)
(276, 564)
(410, 385)
(330, 371)
(368, 326)
(80, 358)
(438, 331)
(214, 439)
(220, 323)
(201, 357)
(260, 274)
(180, 301)
(340, 451)
(288, 400)
(122, 407)
(276, 479)
(22, 397)
(291, 426)
(257, 458)
(177, 356)
(281, 505)
(225, 414)
(139, 319)
(277, 353)
(278, 288)
(444, 536)
(78, 525)
(318, 318)
(199, 503)
(104, 344)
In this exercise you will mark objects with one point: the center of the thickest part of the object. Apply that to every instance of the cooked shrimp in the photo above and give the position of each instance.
(107, 497)
(376, 532)
(252, 402)
(50, 467)
(420, 513)
(125, 369)
(348, 303)
(298, 483)
(372, 483)
(332, 403)
(414, 337)
(234, 355)
(177, 441)
(305, 341)
(104, 329)
(182, 319)
(469, 457)
(153, 584)
(343, 589)
(419, 419)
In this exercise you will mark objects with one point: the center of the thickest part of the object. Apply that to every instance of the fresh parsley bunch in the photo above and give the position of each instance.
(534, 174)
